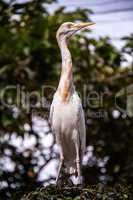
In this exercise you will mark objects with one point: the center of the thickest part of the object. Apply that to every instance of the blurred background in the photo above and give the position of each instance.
(29, 74)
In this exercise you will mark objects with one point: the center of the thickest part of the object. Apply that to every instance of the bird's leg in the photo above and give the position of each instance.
(59, 169)
(78, 163)
(77, 145)
(60, 164)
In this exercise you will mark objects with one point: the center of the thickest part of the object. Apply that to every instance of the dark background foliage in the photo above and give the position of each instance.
(30, 59)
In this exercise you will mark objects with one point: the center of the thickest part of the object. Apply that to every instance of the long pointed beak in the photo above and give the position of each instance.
(82, 25)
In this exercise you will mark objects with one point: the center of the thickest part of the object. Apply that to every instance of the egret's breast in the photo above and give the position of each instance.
(65, 113)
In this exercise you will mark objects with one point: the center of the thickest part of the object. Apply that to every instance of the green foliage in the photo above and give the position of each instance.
(30, 59)
(128, 48)
(97, 192)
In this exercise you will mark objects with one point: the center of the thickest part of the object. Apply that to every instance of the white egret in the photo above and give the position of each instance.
(66, 112)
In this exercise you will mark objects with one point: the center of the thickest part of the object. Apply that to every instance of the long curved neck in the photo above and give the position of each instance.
(66, 79)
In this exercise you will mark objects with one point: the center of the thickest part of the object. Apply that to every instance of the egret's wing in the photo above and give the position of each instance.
(80, 124)
(82, 129)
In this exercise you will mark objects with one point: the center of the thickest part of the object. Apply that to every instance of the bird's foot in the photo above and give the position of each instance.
(64, 181)
(70, 182)
(59, 183)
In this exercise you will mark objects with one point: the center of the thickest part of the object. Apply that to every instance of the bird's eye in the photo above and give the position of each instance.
(61, 33)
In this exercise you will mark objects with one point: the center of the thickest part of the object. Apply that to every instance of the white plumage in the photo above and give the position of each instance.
(66, 112)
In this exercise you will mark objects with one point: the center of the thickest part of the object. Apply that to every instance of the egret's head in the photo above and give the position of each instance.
(68, 29)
